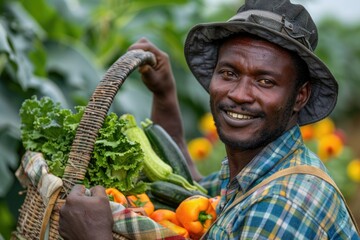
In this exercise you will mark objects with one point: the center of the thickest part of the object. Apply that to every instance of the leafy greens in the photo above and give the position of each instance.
(116, 161)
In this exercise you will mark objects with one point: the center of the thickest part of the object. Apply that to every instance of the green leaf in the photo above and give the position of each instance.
(79, 76)
(54, 18)
(4, 44)
(10, 120)
(46, 87)
(38, 57)
(8, 160)
(23, 22)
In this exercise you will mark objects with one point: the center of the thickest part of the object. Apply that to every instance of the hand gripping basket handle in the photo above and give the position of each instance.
(95, 113)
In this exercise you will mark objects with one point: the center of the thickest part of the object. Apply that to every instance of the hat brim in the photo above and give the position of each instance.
(201, 49)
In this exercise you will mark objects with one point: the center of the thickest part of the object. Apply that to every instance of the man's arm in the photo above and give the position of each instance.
(165, 108)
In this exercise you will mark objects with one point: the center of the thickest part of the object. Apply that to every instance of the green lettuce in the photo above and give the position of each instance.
(116, 161)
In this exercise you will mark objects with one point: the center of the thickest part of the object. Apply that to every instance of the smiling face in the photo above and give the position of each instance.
(252, 93)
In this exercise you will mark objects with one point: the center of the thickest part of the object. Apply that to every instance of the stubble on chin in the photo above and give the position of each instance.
(259, 140)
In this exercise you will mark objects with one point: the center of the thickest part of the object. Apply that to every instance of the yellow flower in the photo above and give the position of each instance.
(323, 127)
(208, 128)
(199, 148)
(329, 146)
(353, 170)
(307, 132)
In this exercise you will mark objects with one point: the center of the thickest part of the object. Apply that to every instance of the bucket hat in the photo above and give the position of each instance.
(278, 21)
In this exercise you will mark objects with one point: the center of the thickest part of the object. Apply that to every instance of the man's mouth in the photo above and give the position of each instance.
(239, 116)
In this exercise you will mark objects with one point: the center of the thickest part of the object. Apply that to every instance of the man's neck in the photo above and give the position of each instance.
(238, 159)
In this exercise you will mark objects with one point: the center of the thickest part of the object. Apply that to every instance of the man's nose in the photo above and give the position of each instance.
(242, 91)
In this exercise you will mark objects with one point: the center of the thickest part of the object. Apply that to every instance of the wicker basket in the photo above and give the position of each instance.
(37, 221)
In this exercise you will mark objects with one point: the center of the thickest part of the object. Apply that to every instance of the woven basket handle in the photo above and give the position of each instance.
(95, 113)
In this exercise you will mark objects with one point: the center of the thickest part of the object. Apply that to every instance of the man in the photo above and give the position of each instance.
(264, 81)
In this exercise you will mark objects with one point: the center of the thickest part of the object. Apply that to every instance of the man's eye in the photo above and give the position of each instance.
(227, 74)
(266, 82)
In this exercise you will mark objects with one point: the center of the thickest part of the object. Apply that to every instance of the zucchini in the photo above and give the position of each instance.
(154, 168)
(159, 203)
(167, 149)
(171, 193)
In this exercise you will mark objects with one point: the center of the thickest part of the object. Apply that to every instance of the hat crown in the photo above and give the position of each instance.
(301, 25)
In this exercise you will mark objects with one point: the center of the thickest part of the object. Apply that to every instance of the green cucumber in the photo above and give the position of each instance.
(159, 203)
(171, 193)
(168, 151)
(154, 168)
(166, 148)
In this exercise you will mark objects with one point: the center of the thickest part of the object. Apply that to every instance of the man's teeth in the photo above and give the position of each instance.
(239, 116)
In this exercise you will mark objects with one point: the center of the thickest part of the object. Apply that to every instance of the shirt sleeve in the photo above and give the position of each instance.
(212, 184)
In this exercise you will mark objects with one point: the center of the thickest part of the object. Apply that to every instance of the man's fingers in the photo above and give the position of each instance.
(147, 73)
(145, 45)
(78, 190)
(98, 191)
(145, 69)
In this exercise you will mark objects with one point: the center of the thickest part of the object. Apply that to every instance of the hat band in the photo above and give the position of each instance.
(275, 22)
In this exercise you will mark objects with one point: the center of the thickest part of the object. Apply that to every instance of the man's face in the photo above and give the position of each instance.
(252, 92)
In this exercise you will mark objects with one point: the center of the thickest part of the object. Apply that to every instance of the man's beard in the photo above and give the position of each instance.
(265, 137)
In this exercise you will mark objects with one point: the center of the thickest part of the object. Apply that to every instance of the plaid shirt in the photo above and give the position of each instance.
(297, 206)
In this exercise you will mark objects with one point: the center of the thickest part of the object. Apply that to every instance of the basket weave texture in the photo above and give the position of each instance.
(34, 214)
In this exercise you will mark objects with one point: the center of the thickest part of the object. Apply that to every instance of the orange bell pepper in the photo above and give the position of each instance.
(164, 214)
(143, 201)
(116, 196)
(214, 201)
(196, 214)
(175, 228)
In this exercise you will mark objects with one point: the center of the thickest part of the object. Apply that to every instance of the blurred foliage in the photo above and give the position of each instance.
(340, 49)
(61, 49)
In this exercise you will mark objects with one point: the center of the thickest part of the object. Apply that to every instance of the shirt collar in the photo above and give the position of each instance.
(266, 160)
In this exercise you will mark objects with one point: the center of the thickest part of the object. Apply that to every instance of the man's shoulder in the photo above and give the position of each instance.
(301, 195)
(298, 188)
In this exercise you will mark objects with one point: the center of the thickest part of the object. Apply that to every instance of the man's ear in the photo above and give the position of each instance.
(303, 95)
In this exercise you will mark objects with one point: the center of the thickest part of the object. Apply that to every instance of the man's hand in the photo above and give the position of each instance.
(86, 217)
(159, 79)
